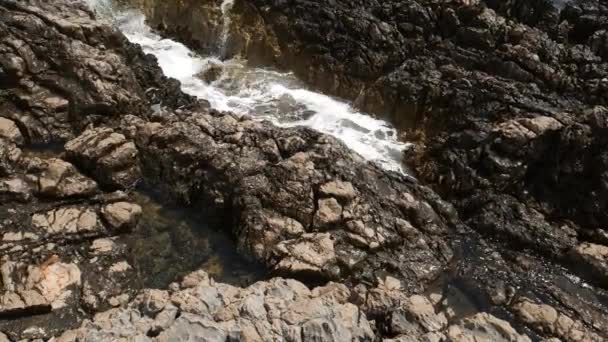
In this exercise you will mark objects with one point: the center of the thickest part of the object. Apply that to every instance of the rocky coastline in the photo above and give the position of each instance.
(500, 237)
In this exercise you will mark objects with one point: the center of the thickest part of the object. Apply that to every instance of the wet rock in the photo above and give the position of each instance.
(212, 72)
(121, 215)
(274, 194)
(510, 127)
(62, 69)
(512, 139)
(107, 155)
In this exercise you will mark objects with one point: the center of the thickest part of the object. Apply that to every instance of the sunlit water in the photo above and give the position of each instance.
(262, 93)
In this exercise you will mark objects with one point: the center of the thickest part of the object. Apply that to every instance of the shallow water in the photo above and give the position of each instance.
(158, 243)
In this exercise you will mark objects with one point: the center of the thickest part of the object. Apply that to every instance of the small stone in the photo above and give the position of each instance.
(338, 189)
(195, 279)
(152, 301)
(122, 215)
(10, 131)
(119, 300)
(541, 316)
(392, 284)
(309, 253)
(102, 246)
(329, 212)
(120, 267)
(52, 281)
(15, 188)
(541, 124)
(61, 179)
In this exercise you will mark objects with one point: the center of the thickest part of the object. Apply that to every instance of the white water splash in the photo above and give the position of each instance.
(266, 94)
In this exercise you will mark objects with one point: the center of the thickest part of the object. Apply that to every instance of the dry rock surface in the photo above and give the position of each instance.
(351, 252)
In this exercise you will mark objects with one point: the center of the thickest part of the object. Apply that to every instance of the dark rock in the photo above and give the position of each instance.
(268, 189)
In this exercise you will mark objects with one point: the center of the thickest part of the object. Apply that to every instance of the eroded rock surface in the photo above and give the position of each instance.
(49, 216)
(108, 155)
(299, 200)
(404, 265)
(199, 307)
(504, 98)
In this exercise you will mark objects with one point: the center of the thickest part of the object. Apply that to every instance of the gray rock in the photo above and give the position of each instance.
(277, 309)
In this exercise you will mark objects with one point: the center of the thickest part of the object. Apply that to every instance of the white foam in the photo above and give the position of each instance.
(267, 94)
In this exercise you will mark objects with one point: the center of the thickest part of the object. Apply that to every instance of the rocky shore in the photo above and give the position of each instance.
(500, 238)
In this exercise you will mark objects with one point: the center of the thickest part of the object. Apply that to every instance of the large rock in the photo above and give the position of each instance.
(295, 200)
(513, 128)
(273, 310)
(492, 88)
(61, 69)
(277, 188)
